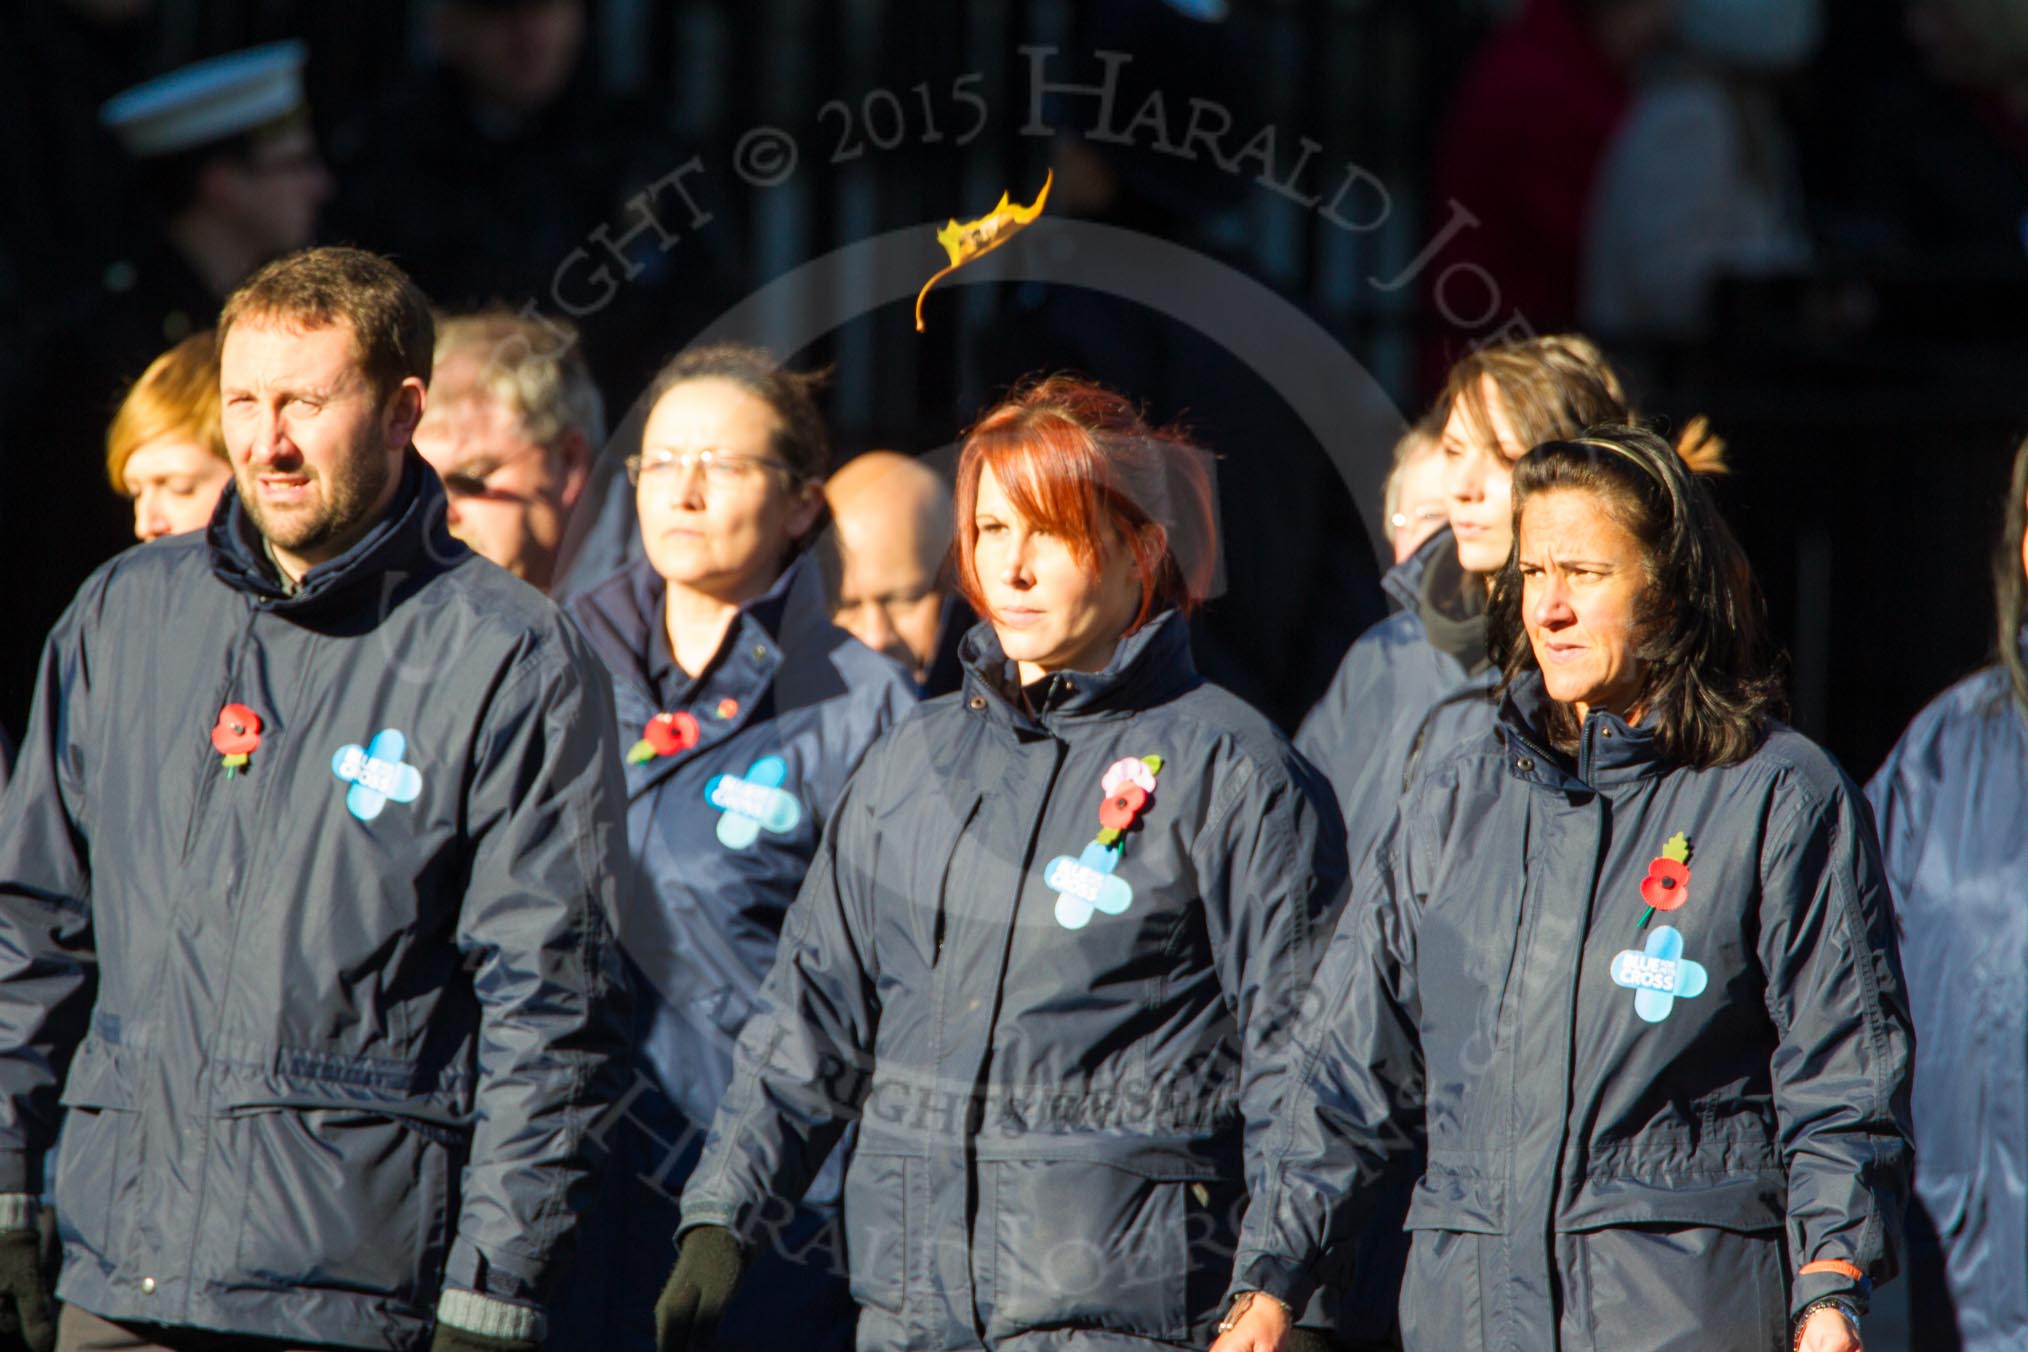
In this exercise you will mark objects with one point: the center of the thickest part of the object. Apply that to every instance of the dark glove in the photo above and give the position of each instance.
(694, 1300)
(27, 1315)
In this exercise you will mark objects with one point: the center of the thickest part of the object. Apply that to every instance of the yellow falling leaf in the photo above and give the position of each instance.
(967, 240)
(1678, 848)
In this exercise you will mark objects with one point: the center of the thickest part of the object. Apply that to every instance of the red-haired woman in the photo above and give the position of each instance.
(1051, 944)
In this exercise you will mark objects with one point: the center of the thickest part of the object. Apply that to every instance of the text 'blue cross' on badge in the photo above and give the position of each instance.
(377, 774)
(1086, 884)
(752, 801)
(1659, 975)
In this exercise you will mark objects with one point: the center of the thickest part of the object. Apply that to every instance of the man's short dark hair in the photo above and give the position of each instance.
(387, 312)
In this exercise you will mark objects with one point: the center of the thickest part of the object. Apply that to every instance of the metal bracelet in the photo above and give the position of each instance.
(1242, 1302)
(1844, 1307)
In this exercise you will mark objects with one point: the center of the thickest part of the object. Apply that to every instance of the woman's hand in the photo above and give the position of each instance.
(1827, 1331)
(1262, 1326)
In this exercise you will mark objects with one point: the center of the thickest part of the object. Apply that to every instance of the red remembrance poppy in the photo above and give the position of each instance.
(671, 733)
(1119, 810)
(237, 732)
(1667, 885)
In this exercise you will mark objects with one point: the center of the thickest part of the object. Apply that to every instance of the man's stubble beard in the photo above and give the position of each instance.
(341, 508)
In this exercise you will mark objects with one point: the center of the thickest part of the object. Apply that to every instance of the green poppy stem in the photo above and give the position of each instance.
(1646, 916)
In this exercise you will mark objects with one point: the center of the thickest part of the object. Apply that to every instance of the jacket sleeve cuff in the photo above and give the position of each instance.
(697, 1216)
(489, 1318)
(1815, 1286)
(18, 1210)
(20, 1172)
(1287, 1282)
(489, 1272)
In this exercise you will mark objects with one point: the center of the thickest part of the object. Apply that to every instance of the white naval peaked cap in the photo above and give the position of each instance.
(208, 101)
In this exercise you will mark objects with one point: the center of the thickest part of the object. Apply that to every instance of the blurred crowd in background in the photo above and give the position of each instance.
(1804, 220)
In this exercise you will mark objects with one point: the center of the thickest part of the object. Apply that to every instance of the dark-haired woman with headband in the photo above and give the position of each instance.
(1421, 681)
(1949, 802)
(1625, 965)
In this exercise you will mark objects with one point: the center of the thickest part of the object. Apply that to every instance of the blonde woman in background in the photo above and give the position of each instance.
(164, 450)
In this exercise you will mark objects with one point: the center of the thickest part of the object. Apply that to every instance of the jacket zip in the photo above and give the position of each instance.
(1059, 752)
(249, 863)
(207, 784)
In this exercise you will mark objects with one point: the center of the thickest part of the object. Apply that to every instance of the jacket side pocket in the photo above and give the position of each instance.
(1078, 1244)
(876, 1230)
(98, 1156)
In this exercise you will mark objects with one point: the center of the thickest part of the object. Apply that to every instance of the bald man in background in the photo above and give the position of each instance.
(889, 564)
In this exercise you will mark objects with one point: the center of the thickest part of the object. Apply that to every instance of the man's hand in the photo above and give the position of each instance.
(27, 1315)
(698, 1290)
(1262, 1326)
(1827, 1330)
(451, 1338)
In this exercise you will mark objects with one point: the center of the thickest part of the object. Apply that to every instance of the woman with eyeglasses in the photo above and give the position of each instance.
(1052, 945)
(743, 711)
(1622, 976)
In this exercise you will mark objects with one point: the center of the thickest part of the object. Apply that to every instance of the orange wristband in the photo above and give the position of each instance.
(1837, 1265)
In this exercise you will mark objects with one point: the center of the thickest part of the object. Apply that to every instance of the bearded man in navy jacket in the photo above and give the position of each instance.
(307, 877)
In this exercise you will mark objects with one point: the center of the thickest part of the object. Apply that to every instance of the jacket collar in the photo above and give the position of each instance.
(1431, 585)
(947, 668)
(1452, 605)
(1610, 750)
(1403, 582)
(409, 535)
(777, 655)
(1148, 666)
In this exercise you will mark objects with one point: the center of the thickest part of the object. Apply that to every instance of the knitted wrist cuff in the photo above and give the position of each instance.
(18, 1210)
(489, 1317)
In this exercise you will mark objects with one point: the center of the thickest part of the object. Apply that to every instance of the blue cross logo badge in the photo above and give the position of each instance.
(377, 774)
(1086, 884)
(754, 801)
(1659, 975)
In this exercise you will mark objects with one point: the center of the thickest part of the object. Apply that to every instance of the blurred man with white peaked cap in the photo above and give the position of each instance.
(227, 175)
(225, 153)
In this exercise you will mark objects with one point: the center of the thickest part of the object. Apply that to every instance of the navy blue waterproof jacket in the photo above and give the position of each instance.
(1639, 1125)
(1054, 1058)
(1951, 800)
(1414, 686)
(1401, 701)
(789, 700)
(329, 1031)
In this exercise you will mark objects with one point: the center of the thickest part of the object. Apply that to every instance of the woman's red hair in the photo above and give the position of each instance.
(1078, 460)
